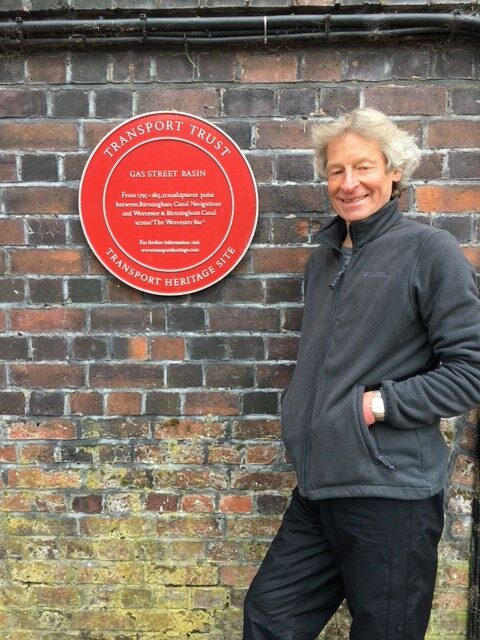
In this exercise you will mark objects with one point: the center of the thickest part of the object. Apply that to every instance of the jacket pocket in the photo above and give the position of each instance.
(367, 433)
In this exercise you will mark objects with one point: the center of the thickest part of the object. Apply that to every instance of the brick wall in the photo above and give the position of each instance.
(142, 472)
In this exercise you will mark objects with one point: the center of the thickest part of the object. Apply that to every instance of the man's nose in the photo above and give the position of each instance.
(350, 180)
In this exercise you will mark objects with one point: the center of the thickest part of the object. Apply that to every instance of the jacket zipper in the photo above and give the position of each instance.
(336, 292)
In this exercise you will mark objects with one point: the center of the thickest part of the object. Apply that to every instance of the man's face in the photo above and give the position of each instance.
(358, 182)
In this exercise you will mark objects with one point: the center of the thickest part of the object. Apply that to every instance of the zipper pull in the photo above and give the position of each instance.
(385, 462)
(334, 283)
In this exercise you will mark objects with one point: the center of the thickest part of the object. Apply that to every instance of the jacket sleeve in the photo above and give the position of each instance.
(446, 298)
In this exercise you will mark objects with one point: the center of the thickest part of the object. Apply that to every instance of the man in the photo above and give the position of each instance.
(390, 343)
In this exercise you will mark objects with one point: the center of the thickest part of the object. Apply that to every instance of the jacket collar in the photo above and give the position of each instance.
(363, 231)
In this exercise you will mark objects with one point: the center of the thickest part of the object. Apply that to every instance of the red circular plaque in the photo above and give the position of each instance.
(168, 203)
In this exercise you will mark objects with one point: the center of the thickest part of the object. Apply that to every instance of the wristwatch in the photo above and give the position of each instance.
(378, 406)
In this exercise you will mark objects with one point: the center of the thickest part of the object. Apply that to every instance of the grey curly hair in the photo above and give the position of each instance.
(398, 146)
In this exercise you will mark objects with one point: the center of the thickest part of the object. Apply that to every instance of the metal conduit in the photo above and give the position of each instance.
(234, 29)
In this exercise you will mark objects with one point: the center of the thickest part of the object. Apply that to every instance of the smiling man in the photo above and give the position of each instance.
(390, 343)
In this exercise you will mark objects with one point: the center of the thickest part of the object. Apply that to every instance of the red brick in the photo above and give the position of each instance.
(280, 260)
(46, 430)
(37, 454)
(86, 403)
(8, 453)
(454, 134)
(48, 376)
(407, 100)
(237, 576)
(54, 200)
(221, 403)
(283, 134)
(58, 136)
(145, 376)
(180, 429)
(23, 103)
(8, 169)
(168, 348)
(87, 504)
(235, 504)
(244, 319)
(201, 102)
(44, 479)
(42, 320)
(134, 348)
(464, 471)
(268, 66)
(197, 503)
(47, 67)
(12, 232)
(262, 453)
(448, 198)
(48, 261)
(162, 502)
(322, 64)
(124, 403)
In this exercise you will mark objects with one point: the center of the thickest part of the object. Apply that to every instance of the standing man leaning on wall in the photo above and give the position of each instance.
(390, 343)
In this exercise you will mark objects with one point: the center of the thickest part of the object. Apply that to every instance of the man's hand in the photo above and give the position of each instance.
(367, 408)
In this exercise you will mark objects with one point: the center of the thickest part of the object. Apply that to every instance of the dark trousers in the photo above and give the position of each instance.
(378, 554)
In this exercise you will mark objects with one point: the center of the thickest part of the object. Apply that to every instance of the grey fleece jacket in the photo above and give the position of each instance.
(402, 317)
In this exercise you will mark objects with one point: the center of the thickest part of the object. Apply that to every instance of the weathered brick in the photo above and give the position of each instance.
(321, 64)
(13, 348)
(48, 291)
(216, 66)
(448, 198)
(167, 348)
(86, 403)
(224, 374)
(46, 430)
(464, 164)
(211, 402)
(406, 100)
(107, 318)
(47, 403)
(134, 375)
(466, 100)
(201, 102)
(113, 103)
(48, 376)
(49, 348)
(248, 102)
(127, 403)
(40, 320)
(12, 402)
(47, 261)
(265, 66)
(8, 168)
(198, 503)
(244, 318)
(46, 67)
(273, 260)
(43, 479)
(163, 403)
(70, 103)
(39, 135)
(23, 103)
(37, 200)
(282, 134)
(89, 67)
(337, 100)
(453, 133)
